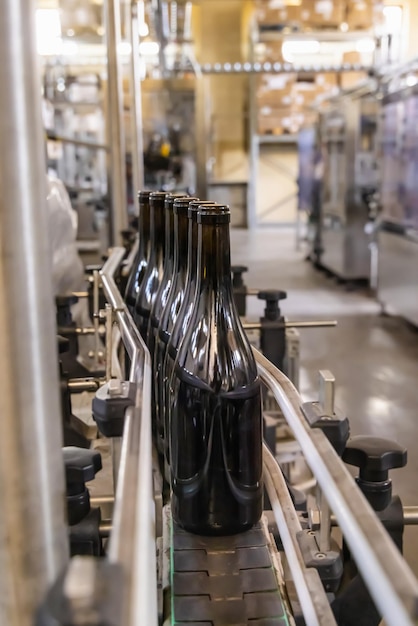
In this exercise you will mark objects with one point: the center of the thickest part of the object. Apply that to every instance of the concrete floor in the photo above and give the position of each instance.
(374, 358)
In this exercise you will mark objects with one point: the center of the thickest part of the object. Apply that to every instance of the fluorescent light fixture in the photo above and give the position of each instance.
(48, 31)
(149, 48)
(365, 45)
(124, 48)
(69, 48)
(294, 47)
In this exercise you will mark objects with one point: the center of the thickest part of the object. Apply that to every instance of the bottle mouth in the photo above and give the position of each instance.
(170, 199)
(213, 213)
(157, 199)
(194, 208)
(181, 205)
(143, 195)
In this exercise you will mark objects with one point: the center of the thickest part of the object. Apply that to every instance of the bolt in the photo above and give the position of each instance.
(320, 555)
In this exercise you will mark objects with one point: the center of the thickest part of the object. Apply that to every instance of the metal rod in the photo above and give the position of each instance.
(78, 142)
(315, 606)
(136, 106)
(77, 330)
(78, 385)
(33, 536)
(410, 516)
(98, 501)
(117, 168)
(96, 321)
(105, 528)
(132, 542)
(388, 577)
(108, 340)
(296, 324)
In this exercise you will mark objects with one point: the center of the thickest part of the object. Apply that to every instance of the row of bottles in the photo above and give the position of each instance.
(206, 400)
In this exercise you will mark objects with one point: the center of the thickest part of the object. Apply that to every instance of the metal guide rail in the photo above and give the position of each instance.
(196, 563)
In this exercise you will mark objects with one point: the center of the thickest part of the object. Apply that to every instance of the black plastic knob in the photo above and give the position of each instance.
(375, 456)
(80, 466)
(272, 298)
(64, 304)
(237, 272)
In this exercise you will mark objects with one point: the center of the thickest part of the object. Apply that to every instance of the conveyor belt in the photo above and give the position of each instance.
(219, 581)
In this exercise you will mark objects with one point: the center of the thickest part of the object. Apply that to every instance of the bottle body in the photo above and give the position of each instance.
(171, 309)
(215, 422)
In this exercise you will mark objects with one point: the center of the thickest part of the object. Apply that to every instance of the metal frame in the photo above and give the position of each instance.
(132, 541)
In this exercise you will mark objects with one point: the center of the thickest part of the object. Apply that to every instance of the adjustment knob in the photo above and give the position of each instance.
(80, 466)
(272, 298)
(237, 272)
(375, 456)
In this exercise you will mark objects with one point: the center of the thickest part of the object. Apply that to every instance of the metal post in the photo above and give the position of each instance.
(201, 120)
(118, 214)
(33, 540)
(136, 106)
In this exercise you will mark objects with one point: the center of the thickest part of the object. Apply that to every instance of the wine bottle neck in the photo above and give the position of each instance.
(158, 234)
(169, 238)
(144, 230)
(182, 243)
(214, 256)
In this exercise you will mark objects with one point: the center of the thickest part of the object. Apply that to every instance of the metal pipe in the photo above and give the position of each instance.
(33, 537)
(136, 105)
(287, 324)
(388, 577)
(77, 330)
(132, 542)
(105, 528)
(78, 385)
(78, 142)
(315, 606)
(118, 214)
(410, 516)
(96, 320)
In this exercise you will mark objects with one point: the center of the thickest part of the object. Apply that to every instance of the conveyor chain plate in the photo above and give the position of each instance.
(220, 581)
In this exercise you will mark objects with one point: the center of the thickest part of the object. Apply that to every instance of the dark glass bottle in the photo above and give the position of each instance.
(179, 321)
(162, 294)
(171, 308)
(140, 264)
(216, 419)
(154, 270)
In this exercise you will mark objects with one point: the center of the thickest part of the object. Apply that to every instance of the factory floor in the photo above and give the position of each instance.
(374, 358)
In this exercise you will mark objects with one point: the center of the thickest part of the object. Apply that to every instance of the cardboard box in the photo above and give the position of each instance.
(351, 79)
(277, 12)
(327, 80)
(274, 120)
(323, 13)
(360, 14)
(274, 97)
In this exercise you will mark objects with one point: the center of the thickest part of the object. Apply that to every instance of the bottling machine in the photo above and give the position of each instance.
(348, 135)
(398, 227)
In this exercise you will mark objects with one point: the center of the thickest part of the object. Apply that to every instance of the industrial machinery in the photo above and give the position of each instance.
(348, 135)
(398, 227)
(288, 569)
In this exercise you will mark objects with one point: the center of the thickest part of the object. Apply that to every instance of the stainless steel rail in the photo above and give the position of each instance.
(33, 532)
(388, 577)
(313, 600)
(132, 540)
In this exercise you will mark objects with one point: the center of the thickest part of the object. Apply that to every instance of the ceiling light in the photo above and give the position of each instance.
(143, 29)
(149, 48)
(124, 48)
(365, 45)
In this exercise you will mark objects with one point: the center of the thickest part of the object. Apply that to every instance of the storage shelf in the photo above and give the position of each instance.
(276, 139)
